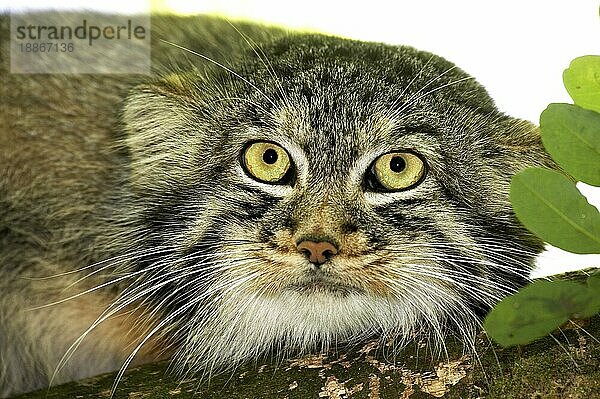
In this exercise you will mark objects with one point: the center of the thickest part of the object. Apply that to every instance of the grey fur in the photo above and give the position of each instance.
(139, 181)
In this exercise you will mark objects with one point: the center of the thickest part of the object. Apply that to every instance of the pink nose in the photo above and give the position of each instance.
(317, 252)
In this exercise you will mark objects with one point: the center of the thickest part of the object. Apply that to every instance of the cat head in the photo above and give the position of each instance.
(324, 190)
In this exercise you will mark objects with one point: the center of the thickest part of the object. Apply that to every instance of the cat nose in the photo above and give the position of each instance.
(317, 252)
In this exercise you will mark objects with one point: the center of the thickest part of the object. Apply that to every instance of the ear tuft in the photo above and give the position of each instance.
(161, 125)
(522, 142)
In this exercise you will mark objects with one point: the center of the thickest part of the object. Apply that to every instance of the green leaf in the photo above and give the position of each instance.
(539, 309)
(572, 137)
(593, 283)
(550, 206)
(582, 80)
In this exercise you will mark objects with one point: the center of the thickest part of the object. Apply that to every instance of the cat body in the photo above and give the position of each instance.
(308, 190)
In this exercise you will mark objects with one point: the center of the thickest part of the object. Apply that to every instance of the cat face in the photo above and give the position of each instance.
(332, 191)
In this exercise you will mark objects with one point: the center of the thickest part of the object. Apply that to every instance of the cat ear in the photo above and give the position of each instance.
(160, 123)
(522, 146)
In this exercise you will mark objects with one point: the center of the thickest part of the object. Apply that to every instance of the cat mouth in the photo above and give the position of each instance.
(314, 284)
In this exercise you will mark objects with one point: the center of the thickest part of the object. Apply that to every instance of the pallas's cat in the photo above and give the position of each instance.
(262, 191)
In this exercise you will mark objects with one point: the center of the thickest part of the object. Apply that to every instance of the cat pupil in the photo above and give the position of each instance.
(270, 156)
(397, 164)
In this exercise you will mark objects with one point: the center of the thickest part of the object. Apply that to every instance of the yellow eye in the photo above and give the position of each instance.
(267, 162)
(398, 170)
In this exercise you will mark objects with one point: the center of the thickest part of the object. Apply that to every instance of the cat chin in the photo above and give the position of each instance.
(292, 323)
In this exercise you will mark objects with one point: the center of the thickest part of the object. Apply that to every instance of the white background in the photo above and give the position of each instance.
(516, 48)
